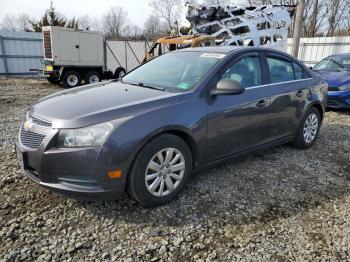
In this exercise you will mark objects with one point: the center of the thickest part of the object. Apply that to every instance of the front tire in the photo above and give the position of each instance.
(160, 170)
(71, 79)
(53, 80)
(309, 129)
(119, 73)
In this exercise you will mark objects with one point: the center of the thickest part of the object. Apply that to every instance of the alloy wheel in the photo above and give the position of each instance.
(165, 172)
(310, 128)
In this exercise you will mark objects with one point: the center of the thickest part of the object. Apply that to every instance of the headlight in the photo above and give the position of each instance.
(344, 87)
(49, 68)
(94, 135)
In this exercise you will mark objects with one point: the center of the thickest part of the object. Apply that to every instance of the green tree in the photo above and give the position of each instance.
(52, 18)
(73, 23)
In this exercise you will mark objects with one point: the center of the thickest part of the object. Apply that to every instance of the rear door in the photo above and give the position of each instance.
(288, 86)
(237, 123)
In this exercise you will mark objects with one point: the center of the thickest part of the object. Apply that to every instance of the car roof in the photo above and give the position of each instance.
(346, 55)
(228, 49)
(211, 49)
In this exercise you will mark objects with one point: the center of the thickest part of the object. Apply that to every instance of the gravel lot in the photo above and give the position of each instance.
(278, 205)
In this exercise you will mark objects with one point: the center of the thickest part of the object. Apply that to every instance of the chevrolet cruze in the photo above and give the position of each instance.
(146, 133)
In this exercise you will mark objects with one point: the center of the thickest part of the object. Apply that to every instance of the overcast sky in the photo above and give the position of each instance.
(138, 10)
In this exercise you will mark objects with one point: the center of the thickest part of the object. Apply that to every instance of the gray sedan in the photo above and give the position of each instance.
(183, 111)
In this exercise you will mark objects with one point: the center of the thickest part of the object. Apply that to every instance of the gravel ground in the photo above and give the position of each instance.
(281, 204)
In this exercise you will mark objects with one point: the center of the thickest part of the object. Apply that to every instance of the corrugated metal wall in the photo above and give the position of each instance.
(127, 54)
(20, 52)
(312, 50)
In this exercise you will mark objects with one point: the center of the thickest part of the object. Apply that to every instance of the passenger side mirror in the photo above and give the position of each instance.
(227, 87)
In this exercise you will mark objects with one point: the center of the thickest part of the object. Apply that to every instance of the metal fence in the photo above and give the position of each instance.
(20, 52)
(127, 54)
(312, 50)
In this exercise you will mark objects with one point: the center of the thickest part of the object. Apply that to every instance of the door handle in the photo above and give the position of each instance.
(300, 93)
(261, 103)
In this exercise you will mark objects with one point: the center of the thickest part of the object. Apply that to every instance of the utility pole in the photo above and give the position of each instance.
(297, 27)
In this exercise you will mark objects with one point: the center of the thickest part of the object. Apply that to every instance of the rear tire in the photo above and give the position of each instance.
(71, 79)
(160, 171)
(119, 72)
(92, 77)
(308, 130)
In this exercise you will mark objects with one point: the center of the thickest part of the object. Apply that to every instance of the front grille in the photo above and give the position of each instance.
(40, 122)
(31, 139)
(333, 88)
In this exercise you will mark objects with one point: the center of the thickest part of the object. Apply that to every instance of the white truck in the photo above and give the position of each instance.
(73, 56)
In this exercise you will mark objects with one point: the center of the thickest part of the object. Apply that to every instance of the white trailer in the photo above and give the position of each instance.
(73, 56)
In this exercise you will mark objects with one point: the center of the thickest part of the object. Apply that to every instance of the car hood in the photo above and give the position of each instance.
(335, 78)
(98, 103)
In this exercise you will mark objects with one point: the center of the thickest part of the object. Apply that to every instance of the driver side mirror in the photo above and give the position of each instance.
(227, 87)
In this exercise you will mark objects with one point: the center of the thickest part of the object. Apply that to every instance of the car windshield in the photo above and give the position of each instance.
(174, 72)
(334, 64)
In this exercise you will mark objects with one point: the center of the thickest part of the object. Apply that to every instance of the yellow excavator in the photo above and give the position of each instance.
(171, 43)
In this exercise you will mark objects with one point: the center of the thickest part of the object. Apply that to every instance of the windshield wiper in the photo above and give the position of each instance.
(146, 86)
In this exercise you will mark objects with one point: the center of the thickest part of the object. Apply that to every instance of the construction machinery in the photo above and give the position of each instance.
(171, 43)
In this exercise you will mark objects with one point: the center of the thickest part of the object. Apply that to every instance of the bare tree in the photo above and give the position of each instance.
(154, 26)
(337, 12)
(20, 22)
(114, 21)
(87, 22)
(347, 22)
(168, 10)
(133, 31)
(315, 16)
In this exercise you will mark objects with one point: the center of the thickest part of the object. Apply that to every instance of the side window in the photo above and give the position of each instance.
(334, 65)
(246, 71)
(280, 70)
(298, 71)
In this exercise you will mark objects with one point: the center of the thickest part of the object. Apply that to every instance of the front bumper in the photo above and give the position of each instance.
(79, 173)
(51, 73)
(339, 99)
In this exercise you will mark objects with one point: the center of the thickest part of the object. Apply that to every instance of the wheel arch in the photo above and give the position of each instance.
(318, 106)
(177, 131)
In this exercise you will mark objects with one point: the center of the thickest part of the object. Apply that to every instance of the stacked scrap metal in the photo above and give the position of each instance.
(232, 25)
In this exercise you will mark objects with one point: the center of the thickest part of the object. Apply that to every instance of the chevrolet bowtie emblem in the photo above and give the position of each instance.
(27, 124)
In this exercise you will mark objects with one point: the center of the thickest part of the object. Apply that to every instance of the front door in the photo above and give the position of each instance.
(237, 123)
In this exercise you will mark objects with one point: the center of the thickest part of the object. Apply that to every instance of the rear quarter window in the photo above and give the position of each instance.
(280, 70)
(283, 70)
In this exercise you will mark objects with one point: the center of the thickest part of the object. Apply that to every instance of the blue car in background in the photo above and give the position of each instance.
(335, 69)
